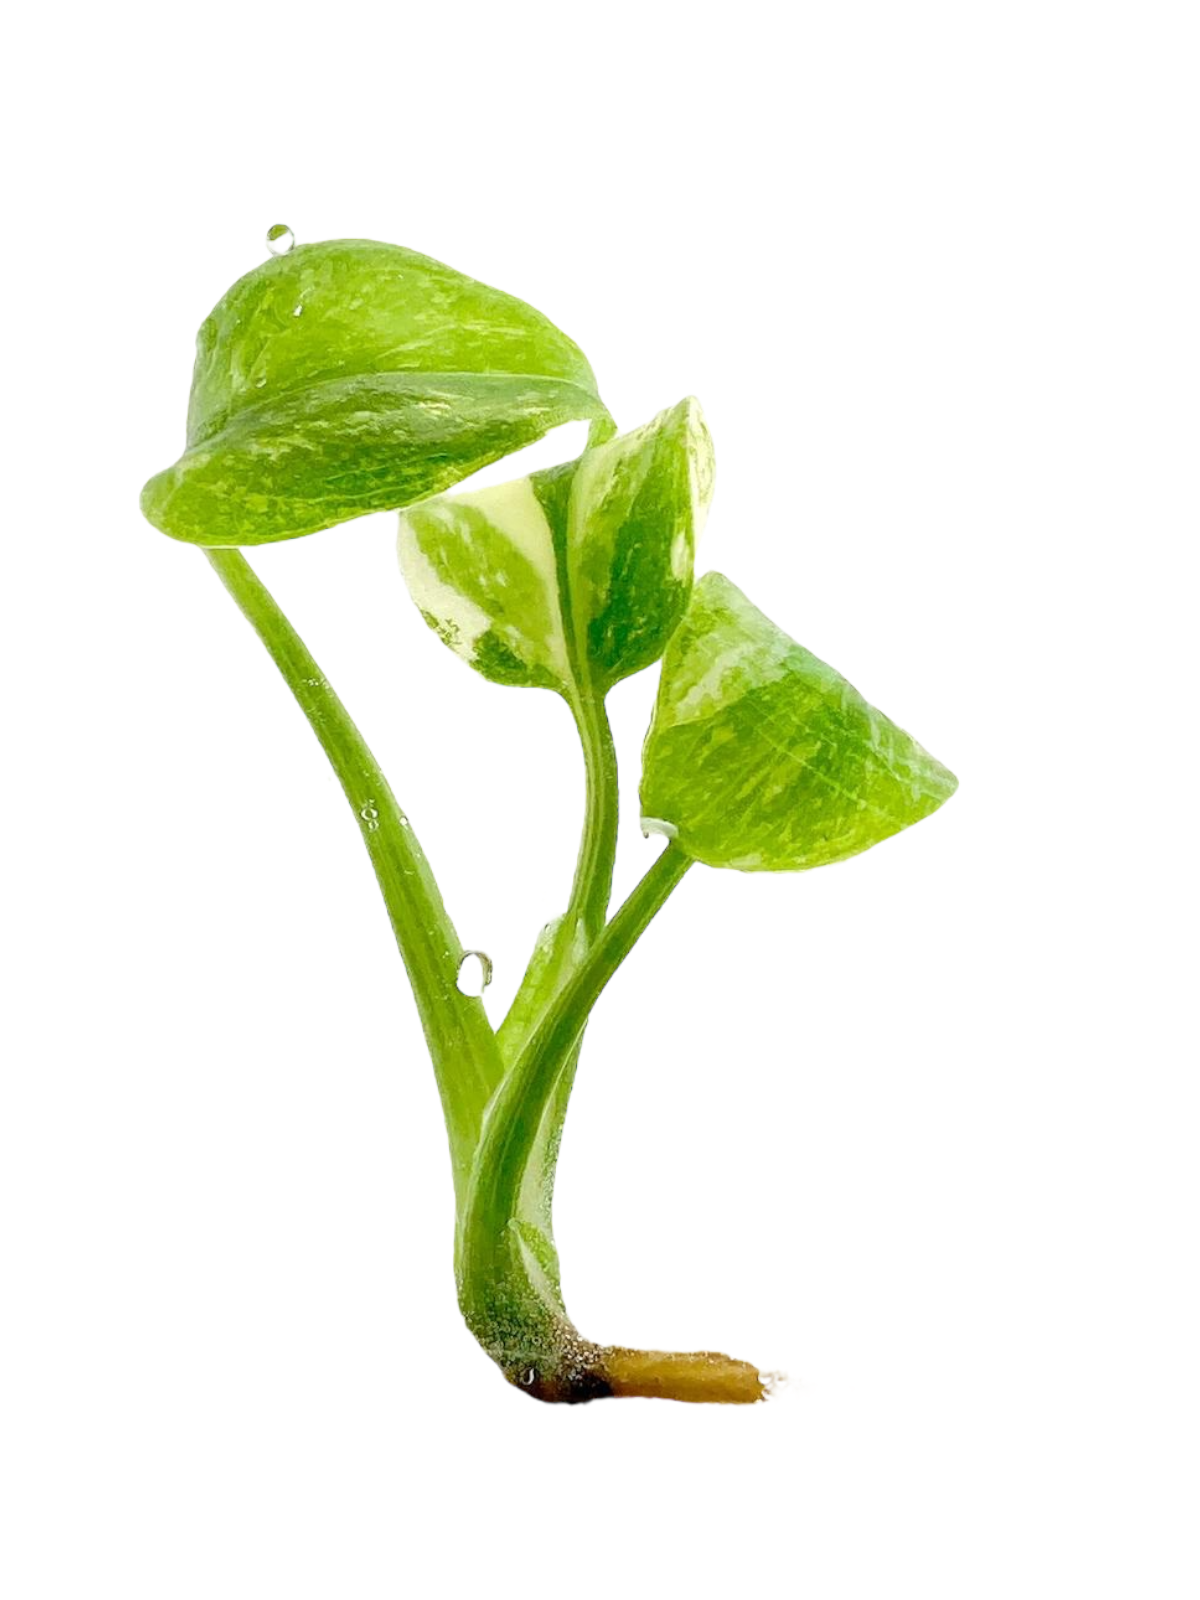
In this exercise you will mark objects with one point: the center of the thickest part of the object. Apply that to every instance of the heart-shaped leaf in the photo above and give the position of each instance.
(573, 578)
(763, 758)
(350, 377)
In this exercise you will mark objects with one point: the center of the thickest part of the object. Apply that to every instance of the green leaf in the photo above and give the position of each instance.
(349, 377)
(573, 578)
(763, 758)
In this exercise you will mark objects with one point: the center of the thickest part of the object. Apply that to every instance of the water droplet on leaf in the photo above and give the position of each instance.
(658, 825)
(280, 238)
(370, 815)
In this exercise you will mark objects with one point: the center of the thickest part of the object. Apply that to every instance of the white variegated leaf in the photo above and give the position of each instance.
(763, 758)
(482, 569)
(573, 578)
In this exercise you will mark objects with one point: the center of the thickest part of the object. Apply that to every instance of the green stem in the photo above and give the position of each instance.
(592, 888)
(461, 1042)
(509, 1298)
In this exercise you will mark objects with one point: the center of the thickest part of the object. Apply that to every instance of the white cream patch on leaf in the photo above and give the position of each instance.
(514, 512)
(701, 466)
(751, 863)
(459, 621)
(681, 556)
(717, 670)
(612, 472)
(481, 568)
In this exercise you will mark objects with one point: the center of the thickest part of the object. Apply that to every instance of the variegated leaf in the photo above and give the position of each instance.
(350, 377)
(572, 577)
(763, 758)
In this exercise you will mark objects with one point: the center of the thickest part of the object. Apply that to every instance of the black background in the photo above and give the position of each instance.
(757, 1074)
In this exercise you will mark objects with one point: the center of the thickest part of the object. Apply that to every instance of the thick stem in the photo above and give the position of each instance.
(508, 1283)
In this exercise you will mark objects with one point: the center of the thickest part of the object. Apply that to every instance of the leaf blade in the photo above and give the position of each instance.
(637, 508)
(612, 538)
(349, 377)
(763, 758)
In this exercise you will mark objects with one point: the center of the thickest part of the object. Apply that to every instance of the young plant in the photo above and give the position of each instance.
(351, 377)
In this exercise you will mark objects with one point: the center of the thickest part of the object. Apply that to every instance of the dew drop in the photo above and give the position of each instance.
(280, 238)
(370, 815)
(487, 970)
(657, 825)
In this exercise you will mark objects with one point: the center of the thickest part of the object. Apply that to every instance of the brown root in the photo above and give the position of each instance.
(702, 1377)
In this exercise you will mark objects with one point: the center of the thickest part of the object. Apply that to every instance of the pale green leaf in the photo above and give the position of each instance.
(350, 377)
(763, 758)
(573, 578)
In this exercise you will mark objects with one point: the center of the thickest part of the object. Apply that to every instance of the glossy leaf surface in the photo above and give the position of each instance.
(763, 758)
(349, 377)
(574, 577)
